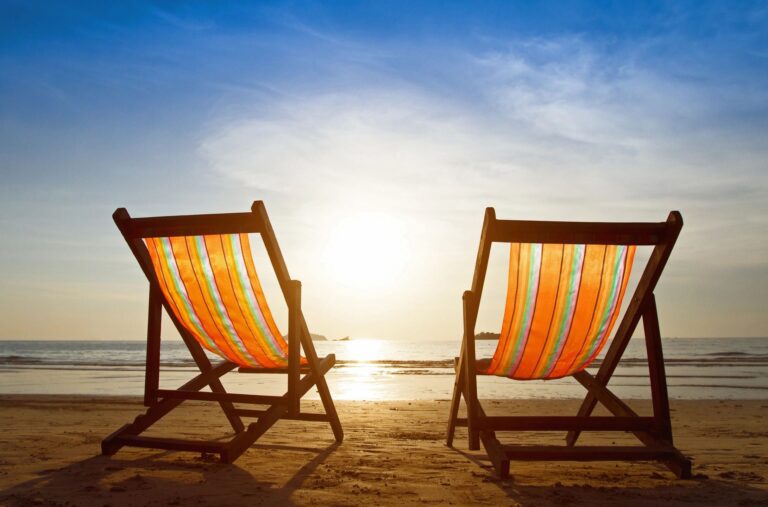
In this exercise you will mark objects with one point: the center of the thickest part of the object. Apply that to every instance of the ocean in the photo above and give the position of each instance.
(368, 369)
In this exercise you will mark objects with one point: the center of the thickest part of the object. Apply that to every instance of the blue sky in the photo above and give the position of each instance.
(422, 113)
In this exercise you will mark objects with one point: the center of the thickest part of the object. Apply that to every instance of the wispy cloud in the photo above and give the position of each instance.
(560, 119)
(550, 128)
(633, 112)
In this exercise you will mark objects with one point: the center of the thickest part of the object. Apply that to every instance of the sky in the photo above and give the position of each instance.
(377, 133)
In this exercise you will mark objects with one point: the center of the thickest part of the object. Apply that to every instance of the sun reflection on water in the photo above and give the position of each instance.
(361, 377)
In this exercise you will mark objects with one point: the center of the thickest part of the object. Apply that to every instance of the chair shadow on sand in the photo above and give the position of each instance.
(699, 490)
(162, 478)
(171, 478)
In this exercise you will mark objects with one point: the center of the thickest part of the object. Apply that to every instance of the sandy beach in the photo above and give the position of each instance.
(393, 453)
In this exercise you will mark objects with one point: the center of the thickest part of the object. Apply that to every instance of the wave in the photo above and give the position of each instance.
(406, 366)
(22, 361)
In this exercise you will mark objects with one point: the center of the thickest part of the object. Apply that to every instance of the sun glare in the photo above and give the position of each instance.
(366, 251)
(364, 375)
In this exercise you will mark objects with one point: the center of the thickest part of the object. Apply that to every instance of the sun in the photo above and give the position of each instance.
(366, 250)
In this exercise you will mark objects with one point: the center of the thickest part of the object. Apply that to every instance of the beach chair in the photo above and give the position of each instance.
(201, 271)
(566, 284)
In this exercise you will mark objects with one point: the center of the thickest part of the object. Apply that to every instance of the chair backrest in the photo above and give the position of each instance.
(203, 266)
(566, 285)
(211, 284)
(562, 302)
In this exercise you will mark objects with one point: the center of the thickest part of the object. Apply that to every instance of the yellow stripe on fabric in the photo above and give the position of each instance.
(625, 256)
(559, 326)
(211, 302)
(209, 283)
(514, 319)
(247, 298)
(259, 346)
(255, 342)
(194, 290)
(601, 308)
(568, 312)
(239, 246)
(527, 307)
(558, 316)
(171, 287)
(589, 292)
(256, 290)
(276, 338)
(512, 285)
(544, 306)
(509, 309)
(229, 309)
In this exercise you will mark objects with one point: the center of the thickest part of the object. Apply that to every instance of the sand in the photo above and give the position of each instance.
(393, 453)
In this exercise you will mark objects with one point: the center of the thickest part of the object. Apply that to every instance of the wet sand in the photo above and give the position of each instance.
(393, 453)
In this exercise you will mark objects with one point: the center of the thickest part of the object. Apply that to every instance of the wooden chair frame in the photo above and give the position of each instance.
(654, 432)
(162, 401)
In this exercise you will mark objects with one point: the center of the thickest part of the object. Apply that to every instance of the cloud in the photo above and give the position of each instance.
(557, 118)
(553, 128)
(325, 116)
(387, 146)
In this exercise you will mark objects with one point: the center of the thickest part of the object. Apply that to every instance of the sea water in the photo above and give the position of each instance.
(377, 369)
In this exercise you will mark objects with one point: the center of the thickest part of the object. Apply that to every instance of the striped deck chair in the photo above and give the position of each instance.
(565, 289)
(201, 271)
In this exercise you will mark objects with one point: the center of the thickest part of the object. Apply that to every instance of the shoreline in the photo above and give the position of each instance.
(137, 399)
(393, 453)
(372, 383)
(385, 370)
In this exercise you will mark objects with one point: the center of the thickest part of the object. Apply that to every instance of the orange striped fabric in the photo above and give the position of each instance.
(562, 302)
(211, 285)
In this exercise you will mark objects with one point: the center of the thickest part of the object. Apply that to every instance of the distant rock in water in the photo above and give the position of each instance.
(345, 339)
(315, 337)
(485, 335)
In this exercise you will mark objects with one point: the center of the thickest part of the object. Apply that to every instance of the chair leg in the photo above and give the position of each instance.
(496, 454)
(455, 402)
(493, 448)
(470, 305)
(330, 408)
(474, 440)
(656, 371)
(228, 408)
(204, 365)
(473, 435)
(245, 439)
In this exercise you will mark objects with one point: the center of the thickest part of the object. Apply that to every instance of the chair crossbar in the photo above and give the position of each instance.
(297, 417)
(587, 453)
(518, 231)
(561, 423)
(303, 369)
(193, 225)
(255, 399)
(171, 444)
